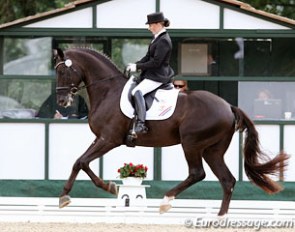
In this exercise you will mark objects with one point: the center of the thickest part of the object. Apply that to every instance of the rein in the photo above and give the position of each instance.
(75, 89)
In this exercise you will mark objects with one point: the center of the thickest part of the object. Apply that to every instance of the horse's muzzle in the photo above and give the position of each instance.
(65, 101)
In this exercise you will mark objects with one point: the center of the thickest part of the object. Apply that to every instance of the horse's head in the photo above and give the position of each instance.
(67, 78)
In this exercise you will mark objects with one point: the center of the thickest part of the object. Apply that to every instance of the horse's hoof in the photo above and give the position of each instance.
(221, 216)
(64, 201)
(165, 208)
(113, 188)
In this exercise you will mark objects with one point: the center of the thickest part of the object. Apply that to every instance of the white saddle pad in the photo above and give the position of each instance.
(162, 108)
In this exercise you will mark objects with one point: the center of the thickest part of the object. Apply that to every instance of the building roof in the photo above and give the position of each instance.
(249, 8)
(67, 7)
(241, 5)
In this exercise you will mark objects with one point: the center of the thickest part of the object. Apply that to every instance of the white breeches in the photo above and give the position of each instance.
(146, 86)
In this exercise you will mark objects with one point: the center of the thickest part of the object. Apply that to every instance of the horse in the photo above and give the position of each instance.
(203, 123)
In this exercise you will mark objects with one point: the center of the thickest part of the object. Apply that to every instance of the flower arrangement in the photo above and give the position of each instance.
(131, 170)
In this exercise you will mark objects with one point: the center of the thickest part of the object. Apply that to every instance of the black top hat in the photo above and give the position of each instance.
(156, 18)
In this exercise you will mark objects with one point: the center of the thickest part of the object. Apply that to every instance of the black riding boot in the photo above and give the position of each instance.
(140, 111)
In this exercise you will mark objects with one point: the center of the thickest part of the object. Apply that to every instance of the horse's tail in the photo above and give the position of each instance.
(258, 172)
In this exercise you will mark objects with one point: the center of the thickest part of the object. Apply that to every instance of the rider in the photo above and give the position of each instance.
(154, 66)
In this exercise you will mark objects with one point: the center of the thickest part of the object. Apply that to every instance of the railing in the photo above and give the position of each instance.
(95, 210)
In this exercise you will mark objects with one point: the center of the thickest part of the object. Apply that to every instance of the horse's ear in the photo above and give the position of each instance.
(58, 54)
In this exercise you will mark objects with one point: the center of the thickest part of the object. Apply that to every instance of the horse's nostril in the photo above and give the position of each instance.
(61, 102)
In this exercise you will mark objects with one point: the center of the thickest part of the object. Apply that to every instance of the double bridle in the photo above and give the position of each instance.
(73, 89)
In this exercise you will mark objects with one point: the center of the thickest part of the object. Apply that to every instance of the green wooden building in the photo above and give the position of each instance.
(224, 46)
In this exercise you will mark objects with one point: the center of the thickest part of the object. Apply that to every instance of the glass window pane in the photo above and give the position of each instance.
(269, 57)
(267, 100)
(229, 55)
(126, 51)
(19, 94)
(91, 43)
(27, 56)
(257, 58)
(283, 57)
(222, 57)
(261, 57)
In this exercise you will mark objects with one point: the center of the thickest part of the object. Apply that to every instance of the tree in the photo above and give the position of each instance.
(14, 9)
(280, 7)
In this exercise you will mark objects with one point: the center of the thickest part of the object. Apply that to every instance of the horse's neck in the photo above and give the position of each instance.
(109, 91)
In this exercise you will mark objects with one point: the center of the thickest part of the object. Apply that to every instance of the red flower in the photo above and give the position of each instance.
(130, 169)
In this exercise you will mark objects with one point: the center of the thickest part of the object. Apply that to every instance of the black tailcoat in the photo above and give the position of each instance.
(155, 64)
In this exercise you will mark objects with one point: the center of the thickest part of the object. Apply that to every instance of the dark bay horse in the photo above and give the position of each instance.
(202, 123)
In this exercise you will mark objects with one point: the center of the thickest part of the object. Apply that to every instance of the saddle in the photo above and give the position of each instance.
(160, 103)
(150, 97)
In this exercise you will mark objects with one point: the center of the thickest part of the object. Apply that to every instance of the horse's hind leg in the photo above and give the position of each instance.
(196, 173)
(214, 157)
(97, 149)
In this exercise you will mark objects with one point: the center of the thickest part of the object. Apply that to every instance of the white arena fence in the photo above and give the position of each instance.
(106, 210)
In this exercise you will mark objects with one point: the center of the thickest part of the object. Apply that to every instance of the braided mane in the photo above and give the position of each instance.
(99, 55)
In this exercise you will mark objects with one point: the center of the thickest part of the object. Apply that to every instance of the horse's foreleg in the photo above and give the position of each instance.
(97, 149)
(109, 187)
